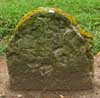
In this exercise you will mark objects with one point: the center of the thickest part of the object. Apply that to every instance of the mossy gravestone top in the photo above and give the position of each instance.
(48, 51)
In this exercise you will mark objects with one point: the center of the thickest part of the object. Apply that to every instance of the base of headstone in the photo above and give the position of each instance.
(71, 83)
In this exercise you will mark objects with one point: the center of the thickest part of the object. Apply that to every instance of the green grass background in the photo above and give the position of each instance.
(86, 12)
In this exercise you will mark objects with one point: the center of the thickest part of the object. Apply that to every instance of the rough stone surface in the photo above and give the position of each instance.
(48, 51)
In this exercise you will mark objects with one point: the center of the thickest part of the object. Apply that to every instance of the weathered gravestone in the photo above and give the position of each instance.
(48, 51)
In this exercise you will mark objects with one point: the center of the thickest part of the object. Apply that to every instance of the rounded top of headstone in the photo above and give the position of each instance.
(47, 10)
(53, 11)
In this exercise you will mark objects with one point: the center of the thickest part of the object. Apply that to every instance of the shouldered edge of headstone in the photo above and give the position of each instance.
(52, 10)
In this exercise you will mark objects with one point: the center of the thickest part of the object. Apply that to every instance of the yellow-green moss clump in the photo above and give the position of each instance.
(49, 51)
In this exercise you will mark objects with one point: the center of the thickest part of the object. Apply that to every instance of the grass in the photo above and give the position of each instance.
(86, 12)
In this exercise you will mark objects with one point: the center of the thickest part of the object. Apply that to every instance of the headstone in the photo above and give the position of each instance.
(49, 51)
